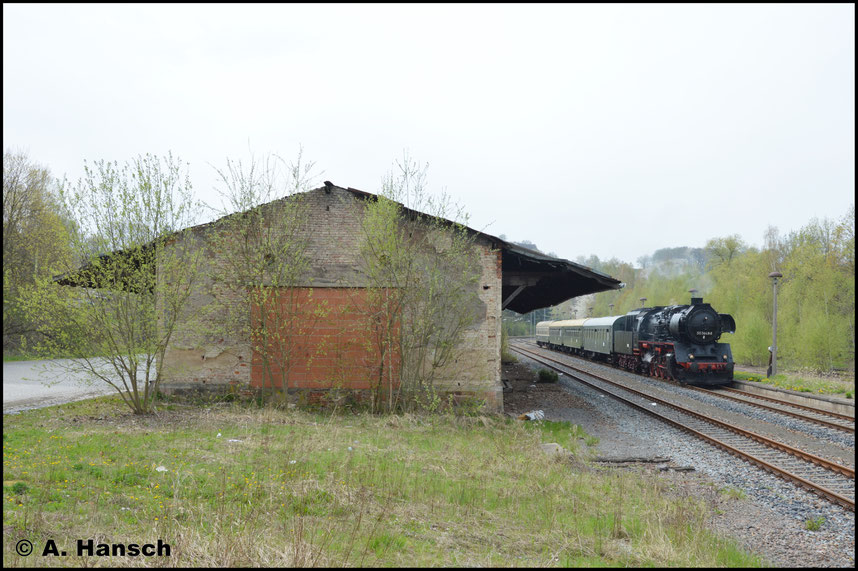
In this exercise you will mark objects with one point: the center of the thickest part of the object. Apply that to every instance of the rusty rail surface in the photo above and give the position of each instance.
(830, 413)
(845, 472)
(800, 416)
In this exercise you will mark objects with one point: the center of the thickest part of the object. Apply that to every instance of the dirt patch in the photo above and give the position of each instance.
(523, 392)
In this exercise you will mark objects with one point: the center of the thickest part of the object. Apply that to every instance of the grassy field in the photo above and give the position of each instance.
(231, 485)
(839, 385)
(17, 358)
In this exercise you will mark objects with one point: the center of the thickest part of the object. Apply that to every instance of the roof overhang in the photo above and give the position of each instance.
(532, 280)
(112, 271)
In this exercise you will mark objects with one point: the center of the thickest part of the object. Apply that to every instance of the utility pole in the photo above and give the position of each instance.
(774, 350)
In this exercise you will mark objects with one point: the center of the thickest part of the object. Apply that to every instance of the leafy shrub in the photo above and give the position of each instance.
(547, 376)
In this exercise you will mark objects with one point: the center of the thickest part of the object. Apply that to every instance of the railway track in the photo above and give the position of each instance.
(824, 477)
(808, 413)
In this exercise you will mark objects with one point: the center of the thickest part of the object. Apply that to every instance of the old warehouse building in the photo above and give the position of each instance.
(330, 352)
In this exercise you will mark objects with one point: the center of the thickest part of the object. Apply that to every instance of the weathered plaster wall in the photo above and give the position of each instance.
(204, 356)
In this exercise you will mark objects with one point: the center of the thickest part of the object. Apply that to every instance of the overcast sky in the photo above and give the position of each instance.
(611, 130)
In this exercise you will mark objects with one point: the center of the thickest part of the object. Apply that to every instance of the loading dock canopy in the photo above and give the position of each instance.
(532, 280)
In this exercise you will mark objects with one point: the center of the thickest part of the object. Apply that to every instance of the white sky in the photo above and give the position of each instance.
(612, 130)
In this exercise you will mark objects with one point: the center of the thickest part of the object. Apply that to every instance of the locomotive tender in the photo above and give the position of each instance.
(678, 342)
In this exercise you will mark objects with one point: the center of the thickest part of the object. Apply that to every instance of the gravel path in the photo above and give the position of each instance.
(770, 520)
(37, 384)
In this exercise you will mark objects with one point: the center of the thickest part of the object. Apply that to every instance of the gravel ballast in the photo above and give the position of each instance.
(770, 516)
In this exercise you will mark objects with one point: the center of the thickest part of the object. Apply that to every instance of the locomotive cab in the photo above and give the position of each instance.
(728, 324)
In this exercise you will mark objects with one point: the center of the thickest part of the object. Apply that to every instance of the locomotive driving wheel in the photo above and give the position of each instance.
(663, 367)
(673, 371)
(651, 368)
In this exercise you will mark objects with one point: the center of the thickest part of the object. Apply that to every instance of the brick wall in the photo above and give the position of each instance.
(317, 338)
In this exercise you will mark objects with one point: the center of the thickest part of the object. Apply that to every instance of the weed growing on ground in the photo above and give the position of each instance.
(233, 485)
(842, 385)
(733, 493)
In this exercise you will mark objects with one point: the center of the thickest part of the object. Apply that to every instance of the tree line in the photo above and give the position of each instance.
(816, 296)
(113, 226)
(101, 271)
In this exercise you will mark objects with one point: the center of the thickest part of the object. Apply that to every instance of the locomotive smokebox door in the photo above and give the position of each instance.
(696, 323)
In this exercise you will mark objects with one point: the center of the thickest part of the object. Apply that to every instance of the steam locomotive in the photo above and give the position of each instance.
(676, 342)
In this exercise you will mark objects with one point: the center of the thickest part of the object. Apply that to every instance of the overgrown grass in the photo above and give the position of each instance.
(507, 356)
(806, 382)
(565, 434)
(32, 356)
(17, 357)
(731, 492)
(280, 488)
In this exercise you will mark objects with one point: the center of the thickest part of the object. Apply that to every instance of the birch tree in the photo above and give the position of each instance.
(262, 243)
(114, 316)
(419, 260)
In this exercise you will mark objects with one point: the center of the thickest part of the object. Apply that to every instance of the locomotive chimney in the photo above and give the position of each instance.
(694, 299)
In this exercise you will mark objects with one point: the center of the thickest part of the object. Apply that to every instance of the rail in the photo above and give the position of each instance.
(772, 464)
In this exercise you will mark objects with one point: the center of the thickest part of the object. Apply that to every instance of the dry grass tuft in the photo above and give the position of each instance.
(310, 490)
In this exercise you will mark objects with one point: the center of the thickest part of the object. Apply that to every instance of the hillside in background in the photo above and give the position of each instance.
(816, 296)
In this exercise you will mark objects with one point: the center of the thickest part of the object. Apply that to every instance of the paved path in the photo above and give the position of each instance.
(24, 388)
